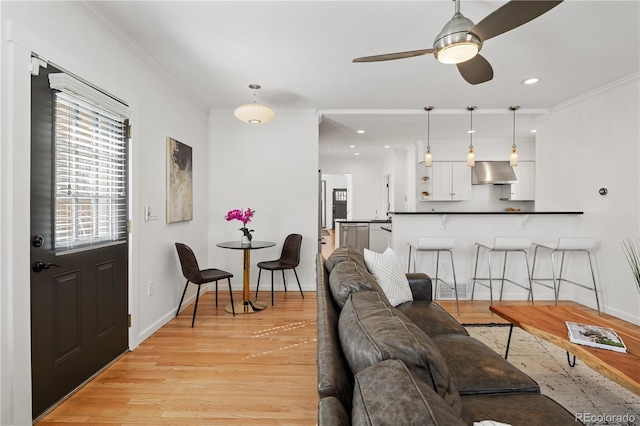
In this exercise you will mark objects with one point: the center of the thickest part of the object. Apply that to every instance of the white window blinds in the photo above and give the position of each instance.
(90, 174)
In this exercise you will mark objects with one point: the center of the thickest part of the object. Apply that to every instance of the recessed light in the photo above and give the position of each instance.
(532, 80)
(471, 131)
(387, 146)
(356, 153)
(361, 131)
(533, 130)
(352, 146)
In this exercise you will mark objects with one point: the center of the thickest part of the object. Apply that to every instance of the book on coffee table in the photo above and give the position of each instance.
(596, 336)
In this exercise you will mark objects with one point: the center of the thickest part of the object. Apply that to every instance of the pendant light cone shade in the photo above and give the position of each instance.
(471, 155)
(428, 158)
(254, 113)
(513, 157)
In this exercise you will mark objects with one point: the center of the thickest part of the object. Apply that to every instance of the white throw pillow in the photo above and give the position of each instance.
(489, 423)
(387, 270)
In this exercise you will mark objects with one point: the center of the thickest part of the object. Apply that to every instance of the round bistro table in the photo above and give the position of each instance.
(246, 306)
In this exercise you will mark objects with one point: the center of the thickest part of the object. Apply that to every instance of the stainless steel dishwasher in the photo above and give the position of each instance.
(355, 235)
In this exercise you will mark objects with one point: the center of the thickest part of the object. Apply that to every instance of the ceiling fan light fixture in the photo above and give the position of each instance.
(457, 53)
(455, 43)
(254, 113)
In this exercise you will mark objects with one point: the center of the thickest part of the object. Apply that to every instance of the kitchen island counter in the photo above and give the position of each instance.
(486, 213)
(468, 228)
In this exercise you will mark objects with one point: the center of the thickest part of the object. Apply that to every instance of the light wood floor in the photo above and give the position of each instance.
(258, 368)
(248, 369)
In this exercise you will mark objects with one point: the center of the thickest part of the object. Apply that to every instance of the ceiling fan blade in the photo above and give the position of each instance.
(476, 70)
(391, 56)
(511, 15)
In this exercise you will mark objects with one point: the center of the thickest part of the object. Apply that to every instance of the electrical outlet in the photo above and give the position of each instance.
(150, 288)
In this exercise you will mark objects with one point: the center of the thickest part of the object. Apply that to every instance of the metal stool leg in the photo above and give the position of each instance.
(504, 271)
(526, 261)
(437, 266)
(455, 282)
(490, 280)
(593, 277)
(475, 273)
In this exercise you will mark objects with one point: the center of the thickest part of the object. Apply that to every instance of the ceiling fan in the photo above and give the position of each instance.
(460, 40)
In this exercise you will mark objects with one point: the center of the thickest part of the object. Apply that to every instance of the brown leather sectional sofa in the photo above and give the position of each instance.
(413, 364)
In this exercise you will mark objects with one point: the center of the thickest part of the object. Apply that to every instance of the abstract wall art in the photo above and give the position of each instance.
(179, 181)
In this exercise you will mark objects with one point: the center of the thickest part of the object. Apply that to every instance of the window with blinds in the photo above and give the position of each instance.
(90, 174)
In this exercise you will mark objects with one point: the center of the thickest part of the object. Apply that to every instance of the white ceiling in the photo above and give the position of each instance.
(301, 53)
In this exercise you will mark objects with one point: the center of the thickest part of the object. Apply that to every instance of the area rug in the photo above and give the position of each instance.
(591, 397)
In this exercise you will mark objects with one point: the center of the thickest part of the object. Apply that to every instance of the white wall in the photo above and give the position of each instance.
(587, 144)
(368, 183)
(394, 166)
(273, 169)
(160, 109)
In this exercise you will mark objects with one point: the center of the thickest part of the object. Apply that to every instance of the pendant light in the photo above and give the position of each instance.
(428, 159)
(513, 157)
(471, 155)
(254, 113)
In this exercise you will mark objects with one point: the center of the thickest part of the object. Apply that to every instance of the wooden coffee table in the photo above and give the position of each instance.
(548, 322)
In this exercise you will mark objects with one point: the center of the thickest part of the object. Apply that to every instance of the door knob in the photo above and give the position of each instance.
(39, 265)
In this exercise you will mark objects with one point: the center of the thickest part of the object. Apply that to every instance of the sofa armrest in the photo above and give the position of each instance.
(420, 284)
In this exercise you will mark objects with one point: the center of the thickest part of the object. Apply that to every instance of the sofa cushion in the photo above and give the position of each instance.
(344, 253)
(413, 401)
(370, 332)
(475, 368)
(387, 270)
(334, 376)
(431, 318)
(531, 409)
(332, 412)
(348, 277)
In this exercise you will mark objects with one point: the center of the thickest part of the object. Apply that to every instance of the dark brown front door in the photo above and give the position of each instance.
(339, 204)
(79, 301)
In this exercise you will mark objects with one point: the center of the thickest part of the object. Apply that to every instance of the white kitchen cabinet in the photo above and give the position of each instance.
(379, 239)
(524, 190)
(450, 181)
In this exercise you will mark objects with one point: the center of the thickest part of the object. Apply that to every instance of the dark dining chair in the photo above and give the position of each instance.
(198, 276)
(289, 259)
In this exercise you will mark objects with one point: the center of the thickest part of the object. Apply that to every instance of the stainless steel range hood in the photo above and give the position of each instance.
(493, 172)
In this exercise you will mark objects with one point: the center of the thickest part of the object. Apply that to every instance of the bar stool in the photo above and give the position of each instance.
(437, 245)
(504, 245)
(565, 245)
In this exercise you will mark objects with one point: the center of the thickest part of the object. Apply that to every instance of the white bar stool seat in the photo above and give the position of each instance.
(564, 245)
(437, 245)
(504, 245)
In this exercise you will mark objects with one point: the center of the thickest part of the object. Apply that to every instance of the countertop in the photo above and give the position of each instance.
(485, 213)
(363, 220)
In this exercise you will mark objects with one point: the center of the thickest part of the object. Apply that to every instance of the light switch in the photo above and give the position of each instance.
(151, 213)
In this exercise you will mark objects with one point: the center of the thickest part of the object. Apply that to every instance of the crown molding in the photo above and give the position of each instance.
(605, 88)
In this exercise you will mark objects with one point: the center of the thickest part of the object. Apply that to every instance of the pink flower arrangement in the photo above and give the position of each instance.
(244, 217)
